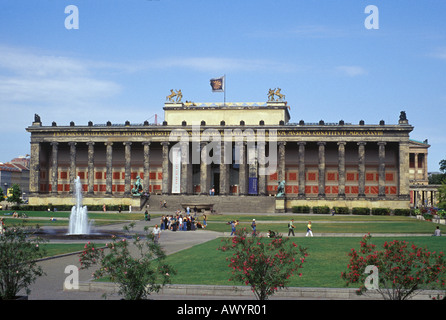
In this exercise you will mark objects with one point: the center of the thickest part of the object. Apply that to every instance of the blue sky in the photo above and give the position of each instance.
(127, 54)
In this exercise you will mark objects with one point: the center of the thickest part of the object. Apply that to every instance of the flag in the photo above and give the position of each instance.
(218, 84)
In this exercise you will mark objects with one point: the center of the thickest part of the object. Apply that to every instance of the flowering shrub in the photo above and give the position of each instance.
(19, 253)
(264, 264)
(402, 269)
(137, 267)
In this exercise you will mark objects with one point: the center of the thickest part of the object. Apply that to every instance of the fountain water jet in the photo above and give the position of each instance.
(79, 215)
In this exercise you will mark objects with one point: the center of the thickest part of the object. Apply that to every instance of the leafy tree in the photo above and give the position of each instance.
(16, 194)
(442, 195)
(137, 272)
(19, 253)
(402, 270)
(264, 264)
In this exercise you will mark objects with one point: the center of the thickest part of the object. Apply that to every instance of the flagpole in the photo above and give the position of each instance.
(224, 91)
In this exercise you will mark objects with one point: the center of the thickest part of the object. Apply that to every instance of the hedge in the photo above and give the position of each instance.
(402, 212)
(300, 209)
(361, 211)
(321, 209)
(381, 211)
(341, 210)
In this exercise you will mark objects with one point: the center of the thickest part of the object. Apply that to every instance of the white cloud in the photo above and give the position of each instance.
(48, 79)
(439, 53)
(351, 71)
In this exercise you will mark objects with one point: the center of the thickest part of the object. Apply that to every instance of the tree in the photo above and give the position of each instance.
(138, 267)
(266, 265)
(442, 195)
(16, 194)
(402, 270)
(18, 255)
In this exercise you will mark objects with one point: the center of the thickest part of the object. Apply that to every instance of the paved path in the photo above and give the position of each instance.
(50, 286)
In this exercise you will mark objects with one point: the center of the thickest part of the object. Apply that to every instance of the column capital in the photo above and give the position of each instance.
(321, 143)
(301, 143)
(54, 143)
(361, 143)
(381, 143)
(90, 143)
(108, 143)
(342, 143)
(127, 143)
(72, 143)
(146, 143)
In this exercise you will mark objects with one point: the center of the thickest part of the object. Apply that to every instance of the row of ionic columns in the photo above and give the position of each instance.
(244, 171)
(35, 166)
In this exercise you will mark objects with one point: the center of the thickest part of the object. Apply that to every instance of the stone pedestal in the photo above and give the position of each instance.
(280, 205)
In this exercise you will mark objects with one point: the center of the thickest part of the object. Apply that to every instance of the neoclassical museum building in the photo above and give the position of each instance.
(232, 157)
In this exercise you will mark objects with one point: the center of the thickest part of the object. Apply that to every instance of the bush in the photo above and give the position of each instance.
(381, 211)
(361, 211)
(300, 209)
(341, 210)
(137, 275)
(402, 212)
(321, 209)
(18, 261)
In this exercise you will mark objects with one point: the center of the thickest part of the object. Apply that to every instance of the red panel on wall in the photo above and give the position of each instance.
(273, 176)
(292, 176)
(311, 176)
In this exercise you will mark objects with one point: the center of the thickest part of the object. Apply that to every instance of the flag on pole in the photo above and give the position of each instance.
(218, 84)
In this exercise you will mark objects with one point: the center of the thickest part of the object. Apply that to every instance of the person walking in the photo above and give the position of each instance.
(254, 227)
(156, 233)
(309, 230)
(291, 227)
(233, 227)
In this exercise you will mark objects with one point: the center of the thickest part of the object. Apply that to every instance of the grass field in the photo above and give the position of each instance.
(327, 258)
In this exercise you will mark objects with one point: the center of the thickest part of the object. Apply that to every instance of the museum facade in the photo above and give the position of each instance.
(230, 155)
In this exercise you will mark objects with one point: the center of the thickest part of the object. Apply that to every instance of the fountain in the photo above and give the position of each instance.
(79, 215)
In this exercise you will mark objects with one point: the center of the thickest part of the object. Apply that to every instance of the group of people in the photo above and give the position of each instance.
(178, 222)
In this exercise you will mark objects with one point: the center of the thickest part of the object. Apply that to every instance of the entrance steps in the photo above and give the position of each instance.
(221, 204)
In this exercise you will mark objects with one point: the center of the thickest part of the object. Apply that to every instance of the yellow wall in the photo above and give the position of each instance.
(231, 116)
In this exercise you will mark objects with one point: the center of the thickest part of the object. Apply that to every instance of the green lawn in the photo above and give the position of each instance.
(327, 258)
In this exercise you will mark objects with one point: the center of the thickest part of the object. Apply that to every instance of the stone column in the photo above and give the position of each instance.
(90, 167)
(341, 169)
(301, 168)
(34, 173)
(166, 176)
(262, 169)
(403, 170)
(72, 165)
(109, 169)
(321, 169)
(184, 187)
(146, 180)
(54, 167)
(224, 173)
(204, 169)
(281, 174)
(127, 168)
(382, 169)
(361, 169)
(242, 173)
(415, 174)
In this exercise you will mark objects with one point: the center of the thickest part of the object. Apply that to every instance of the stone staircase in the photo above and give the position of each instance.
(221, 204)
